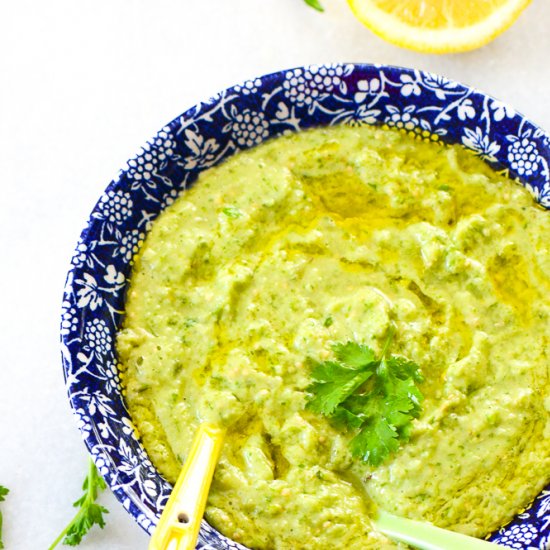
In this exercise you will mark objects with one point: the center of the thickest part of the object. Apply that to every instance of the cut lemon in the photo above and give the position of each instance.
(438, 26)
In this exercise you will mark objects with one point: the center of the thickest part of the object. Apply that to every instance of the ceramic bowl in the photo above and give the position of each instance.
(419, 103)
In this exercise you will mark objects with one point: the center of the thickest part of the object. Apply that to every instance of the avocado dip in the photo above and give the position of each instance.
(332, 235)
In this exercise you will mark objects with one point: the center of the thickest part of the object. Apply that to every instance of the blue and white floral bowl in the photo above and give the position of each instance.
(420, 103)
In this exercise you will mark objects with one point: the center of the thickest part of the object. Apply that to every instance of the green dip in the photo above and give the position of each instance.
(327, 236)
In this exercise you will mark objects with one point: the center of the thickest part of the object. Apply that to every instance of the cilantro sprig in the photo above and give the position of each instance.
(377, 398)
(89, 513)
(3, 492)
(315, 4)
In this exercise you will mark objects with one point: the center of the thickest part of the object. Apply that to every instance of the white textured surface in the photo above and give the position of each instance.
(82, 84)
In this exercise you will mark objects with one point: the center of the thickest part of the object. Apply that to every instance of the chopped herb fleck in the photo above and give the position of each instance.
(232, 212)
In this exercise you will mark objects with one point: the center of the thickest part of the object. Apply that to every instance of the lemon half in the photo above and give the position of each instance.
(438, 26)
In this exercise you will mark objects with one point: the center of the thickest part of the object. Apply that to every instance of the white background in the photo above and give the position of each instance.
(83, 83)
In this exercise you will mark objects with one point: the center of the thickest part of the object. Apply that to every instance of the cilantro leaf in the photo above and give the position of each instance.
(344, 418)
(377, 398)
(3, 492)
(354, 355)
(315, 4)
(398, 377)
(333, 384)
(89, 513)
(403, 368)
(375, 444)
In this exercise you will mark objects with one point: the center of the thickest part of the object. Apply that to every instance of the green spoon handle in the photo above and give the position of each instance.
(426, 536)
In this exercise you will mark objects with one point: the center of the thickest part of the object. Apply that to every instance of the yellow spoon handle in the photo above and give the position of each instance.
(179, 524)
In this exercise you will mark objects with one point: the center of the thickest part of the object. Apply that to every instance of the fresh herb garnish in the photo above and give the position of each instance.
(375, 397)
(315, 4)
(89, 512)
(3, 493)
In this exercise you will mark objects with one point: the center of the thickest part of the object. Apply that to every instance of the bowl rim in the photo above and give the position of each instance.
(87, 420)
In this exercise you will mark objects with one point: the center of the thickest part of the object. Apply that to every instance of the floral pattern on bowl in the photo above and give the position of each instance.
(425, 105)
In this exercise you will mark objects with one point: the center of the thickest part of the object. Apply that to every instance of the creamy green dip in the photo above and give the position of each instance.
(328, 236)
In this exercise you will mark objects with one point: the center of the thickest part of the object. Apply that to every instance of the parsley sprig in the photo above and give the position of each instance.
(377, 398)
(3, 492)
(89, 512)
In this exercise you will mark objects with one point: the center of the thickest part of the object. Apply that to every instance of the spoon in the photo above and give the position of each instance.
(426, 536)
(180, 521)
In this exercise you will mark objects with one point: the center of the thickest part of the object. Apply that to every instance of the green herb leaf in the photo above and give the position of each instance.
(3, 492)
(315, 4)
(89, 513)
(354, 355)
(375, 444)
(377, 398)
(333, 384)
(329, 321)
(345, 418)
(232, 212)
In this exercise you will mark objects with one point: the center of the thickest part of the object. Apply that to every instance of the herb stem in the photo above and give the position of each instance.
(389, 339)
(60, 537)
(89, 512)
